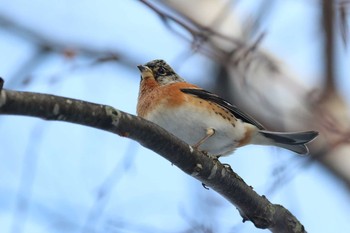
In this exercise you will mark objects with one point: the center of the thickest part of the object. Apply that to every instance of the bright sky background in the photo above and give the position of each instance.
(60, 172)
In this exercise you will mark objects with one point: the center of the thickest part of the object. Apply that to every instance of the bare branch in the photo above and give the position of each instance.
(211, 172)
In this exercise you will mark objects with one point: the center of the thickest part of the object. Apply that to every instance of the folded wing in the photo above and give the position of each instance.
(206, 95)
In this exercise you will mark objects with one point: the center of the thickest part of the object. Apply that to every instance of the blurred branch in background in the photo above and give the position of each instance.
(105, 190)
(29, 165)
(201, 35)
(327, 23)
(46, 46)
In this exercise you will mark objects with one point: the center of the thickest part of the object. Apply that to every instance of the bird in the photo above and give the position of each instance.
(202, 119)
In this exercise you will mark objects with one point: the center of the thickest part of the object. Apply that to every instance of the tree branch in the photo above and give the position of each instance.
(211, 172)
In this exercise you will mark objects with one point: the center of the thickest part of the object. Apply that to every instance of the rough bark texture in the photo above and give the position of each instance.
(207, 170)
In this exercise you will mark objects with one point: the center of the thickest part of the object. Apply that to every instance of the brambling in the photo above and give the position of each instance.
(203, 119)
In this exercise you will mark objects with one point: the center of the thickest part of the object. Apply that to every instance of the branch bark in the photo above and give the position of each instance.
(211, 172)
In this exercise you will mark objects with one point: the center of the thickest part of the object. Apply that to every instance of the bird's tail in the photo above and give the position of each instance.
(291, 141)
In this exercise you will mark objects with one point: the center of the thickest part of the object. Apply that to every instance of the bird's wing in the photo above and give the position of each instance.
(206, 95)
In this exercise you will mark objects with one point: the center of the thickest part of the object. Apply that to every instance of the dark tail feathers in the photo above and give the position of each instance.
(291, 141)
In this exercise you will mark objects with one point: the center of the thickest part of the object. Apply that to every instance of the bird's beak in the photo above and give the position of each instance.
(142, 68)
(146, 72)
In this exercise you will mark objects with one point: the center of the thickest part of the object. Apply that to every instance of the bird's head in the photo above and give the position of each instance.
(161, 72)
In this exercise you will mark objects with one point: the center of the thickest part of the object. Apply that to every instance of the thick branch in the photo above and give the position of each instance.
(211, 172)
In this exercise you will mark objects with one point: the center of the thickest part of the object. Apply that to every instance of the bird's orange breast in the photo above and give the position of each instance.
(152, 95)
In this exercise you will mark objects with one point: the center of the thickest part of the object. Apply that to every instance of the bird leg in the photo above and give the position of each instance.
(210, 132)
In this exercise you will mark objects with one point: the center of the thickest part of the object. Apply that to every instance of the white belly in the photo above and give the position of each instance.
(191, 126)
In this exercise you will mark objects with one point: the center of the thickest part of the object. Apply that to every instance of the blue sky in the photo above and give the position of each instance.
(71, 173)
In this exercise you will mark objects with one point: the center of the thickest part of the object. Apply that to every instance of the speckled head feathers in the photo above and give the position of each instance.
(163, 73)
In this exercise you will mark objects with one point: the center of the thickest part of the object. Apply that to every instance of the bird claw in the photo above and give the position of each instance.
(205, 186)
(210, 132)
(227, 167)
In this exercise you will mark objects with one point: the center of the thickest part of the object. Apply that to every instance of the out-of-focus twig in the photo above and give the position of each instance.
(254, 23)
(37, 58)
(45, 46)
(106, 188)
(45, 41)
(28, 173)
(191, 26)
(200, 34)
(343, 18)
(327, 23)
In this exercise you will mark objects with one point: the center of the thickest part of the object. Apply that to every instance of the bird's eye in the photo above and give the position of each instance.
(161, 71)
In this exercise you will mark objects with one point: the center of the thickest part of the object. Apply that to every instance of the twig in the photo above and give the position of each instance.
(192, 27)
(200, 34)
(344, 25)
(46, 46)
(106, 188)
(28, 175)
(329, 52)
